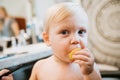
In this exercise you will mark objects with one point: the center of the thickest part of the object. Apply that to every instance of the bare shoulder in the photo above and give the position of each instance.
(39, 64)
(37, 69)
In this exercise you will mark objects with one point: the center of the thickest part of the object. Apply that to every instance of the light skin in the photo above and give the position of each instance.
(9, 77)
(14, 26)
(62, 39)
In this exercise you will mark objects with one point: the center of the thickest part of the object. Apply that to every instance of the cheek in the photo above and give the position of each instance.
(84, 40)
(59, 45)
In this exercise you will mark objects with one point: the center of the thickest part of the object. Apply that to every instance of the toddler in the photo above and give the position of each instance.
(66, 33)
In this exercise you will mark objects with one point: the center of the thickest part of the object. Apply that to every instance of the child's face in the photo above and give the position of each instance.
(67, 35)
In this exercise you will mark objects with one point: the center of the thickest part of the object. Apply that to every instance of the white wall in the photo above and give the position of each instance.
(22, 8)
(41, 6)
(18, 8)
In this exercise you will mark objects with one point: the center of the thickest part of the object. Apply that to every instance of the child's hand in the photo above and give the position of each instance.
(85, 60)
(9, 77)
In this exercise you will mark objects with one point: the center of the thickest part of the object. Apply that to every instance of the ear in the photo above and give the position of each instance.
(46, 38)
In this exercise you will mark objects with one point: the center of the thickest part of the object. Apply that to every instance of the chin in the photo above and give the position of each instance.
(69, 61)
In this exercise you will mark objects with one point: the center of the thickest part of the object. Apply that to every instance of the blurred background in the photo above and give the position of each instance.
(28, 15)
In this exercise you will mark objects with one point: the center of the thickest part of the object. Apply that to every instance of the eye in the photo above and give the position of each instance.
(81, 32)
(64, 32)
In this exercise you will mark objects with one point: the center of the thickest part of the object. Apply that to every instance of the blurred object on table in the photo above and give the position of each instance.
(21, 22)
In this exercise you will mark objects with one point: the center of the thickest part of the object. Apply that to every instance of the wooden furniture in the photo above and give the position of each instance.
(21, 22)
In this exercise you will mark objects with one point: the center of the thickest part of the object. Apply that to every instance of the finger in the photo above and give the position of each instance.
(85, 52)
(82, 52)
(83, 59)
(6, 78)
(89, 53)
(83, 63)
(9, 77)
(80, 57)
(82, 45)
(3, 71)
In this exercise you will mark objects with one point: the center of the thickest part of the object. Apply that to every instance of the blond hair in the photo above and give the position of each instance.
(4, 10)
(60, 12)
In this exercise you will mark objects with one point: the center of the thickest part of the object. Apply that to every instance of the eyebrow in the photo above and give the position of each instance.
(83, 28)
(64, 26)
(68, 26)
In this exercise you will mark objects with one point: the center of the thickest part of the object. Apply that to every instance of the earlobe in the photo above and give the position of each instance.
(46, 38)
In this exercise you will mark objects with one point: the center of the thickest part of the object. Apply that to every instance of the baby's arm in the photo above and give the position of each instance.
(86, 61)
(9, 77)
(95, 75)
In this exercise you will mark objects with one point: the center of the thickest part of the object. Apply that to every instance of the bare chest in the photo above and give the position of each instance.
(59, 74)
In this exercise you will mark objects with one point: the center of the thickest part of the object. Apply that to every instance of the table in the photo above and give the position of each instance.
(25, 54)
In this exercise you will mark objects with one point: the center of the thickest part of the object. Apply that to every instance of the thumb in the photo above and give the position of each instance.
(82, 45)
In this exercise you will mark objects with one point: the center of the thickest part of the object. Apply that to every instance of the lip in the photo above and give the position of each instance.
(72, 49)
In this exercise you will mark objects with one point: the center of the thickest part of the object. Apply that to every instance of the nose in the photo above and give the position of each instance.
(75, 40)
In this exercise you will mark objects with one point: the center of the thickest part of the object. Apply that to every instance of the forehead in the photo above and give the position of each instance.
(71, 15)
(79, 19)
(80, 22)
(73, 22)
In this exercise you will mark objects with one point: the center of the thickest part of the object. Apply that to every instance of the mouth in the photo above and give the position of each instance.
(72, 52)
